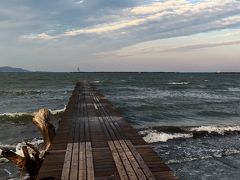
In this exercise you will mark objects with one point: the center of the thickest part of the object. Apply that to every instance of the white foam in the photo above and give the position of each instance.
(36, 142)
(3, 160)
(15, 114)
(187, 159)
(152, 136)
(23, 177)
(97, 82)
(8, 146)
(7, 171)
(18, 148)
(58, 110)
(234, 89)
(179, 83)
(218, 129)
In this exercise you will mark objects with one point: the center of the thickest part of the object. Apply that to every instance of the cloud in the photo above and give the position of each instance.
(201, 46)
(159, 7)
(136, 51)
(165, 17)
(42, 36)
(105, 28)
(123, 28)
(79, 2)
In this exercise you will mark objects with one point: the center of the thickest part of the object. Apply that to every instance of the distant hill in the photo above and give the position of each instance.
(12, 69)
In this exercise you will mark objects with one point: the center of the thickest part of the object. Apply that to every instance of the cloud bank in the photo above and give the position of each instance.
(161, 19)
(94, 31)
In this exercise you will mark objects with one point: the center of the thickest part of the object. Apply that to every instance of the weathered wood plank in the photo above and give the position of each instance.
(82, 153)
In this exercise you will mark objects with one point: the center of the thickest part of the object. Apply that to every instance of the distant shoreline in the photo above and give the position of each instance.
(110, 72)
(12, 69)
(8, 69)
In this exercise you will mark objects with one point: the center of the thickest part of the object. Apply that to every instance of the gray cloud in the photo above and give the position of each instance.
(153, 21)
(201, 46)
(95, 26)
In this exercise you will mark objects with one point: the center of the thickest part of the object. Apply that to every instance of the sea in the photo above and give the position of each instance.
(192, 120)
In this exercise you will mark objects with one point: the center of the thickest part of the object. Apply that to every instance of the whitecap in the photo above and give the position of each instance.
(36, 142)
(97, 82)
(14, 114)
(152, 136)
(216, 129)
(56, 111)
(3, 160)
(17, 114)
(17, 148)
(7, 171)
(188, 159)
(234, 89)
(178, 83)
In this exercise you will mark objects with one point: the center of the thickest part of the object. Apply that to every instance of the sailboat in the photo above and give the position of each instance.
(78, 70)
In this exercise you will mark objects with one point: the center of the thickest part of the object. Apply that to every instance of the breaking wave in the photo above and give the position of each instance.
(221, 130)
(32, 92)
(165, 133)
(17, 148)
(153, 136)
(97, 82)
(21, 117)
(178, 83)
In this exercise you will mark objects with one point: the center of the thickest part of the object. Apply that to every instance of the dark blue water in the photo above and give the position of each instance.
(191, 119)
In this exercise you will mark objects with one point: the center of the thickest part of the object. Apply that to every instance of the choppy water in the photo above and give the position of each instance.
(191, 119)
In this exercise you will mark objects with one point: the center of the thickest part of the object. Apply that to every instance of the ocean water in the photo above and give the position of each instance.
(192, 120)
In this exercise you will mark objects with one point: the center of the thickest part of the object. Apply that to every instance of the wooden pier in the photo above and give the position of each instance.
(94, 141)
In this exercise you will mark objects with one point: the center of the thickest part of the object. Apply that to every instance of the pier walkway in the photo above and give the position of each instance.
(94, 141)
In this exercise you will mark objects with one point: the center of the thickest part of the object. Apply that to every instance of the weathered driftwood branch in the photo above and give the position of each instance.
(42, 121)
(32, 163)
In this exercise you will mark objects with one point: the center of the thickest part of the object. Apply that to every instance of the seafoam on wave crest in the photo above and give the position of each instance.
(36, 142)
(216, 129)
(17, 148)
(15, 114)
(178, 83)
(58, 110)
(152, 136)
(163, 134)
(97, 81)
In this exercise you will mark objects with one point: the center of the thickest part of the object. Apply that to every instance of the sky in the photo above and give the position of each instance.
(121, 35)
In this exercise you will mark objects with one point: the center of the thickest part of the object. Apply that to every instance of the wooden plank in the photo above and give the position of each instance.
(68, 156)
(82, 161)
(89, 157)
(67, 162)
(82, 153)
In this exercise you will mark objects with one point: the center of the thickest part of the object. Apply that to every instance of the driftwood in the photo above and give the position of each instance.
(42, 121)
(32, 163)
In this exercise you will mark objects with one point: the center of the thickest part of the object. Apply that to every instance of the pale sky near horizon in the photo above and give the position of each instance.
(120, 35)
